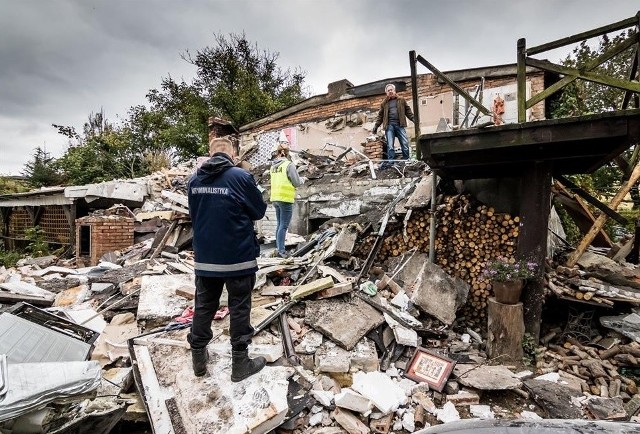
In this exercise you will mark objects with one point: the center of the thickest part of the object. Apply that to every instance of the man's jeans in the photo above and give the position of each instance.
(391, 133)
(284, 211)
(208, 292)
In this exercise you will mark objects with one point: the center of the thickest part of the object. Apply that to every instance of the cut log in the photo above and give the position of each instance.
(505, 330)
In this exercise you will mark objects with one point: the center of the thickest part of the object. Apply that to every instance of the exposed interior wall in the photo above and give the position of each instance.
(347, 121)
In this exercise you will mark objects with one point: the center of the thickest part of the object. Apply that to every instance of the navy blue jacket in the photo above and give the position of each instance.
(223, 203)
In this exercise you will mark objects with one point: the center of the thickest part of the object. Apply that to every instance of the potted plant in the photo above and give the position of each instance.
(507, 277)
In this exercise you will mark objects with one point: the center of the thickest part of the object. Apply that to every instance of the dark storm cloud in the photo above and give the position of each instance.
(62, 59)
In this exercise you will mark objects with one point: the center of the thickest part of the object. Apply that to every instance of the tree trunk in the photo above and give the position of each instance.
(505, 331)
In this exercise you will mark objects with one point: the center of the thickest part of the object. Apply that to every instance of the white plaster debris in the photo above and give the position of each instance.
(401, 300)
(524, 375)
(448, 413)
(270, 352)
(403, 335)
(352, 400)
(481, 411)
(324, 397)
(466, 338)
(392, 371)
(529, 415)
(309, 343)
(385, 394)
(408, 421)
(407, 385)
(316, 419)
(552, 377)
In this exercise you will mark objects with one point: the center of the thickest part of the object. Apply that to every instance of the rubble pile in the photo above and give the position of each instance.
(468, 234)
(361, 332)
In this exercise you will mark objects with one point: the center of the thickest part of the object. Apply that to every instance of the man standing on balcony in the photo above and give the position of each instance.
(393, 115)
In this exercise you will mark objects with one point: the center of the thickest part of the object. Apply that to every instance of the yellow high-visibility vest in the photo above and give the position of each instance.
(282, 190)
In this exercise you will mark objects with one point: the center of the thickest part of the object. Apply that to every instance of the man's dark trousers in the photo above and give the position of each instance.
(207, 302)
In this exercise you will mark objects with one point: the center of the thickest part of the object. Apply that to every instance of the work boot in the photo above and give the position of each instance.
(242, 366)
(199, 358)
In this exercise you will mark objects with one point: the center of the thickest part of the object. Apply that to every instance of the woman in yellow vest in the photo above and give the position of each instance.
(284, 180)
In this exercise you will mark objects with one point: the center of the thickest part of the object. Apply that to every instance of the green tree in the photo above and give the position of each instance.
(105, 151)
(41, 170)
(241, 82)
(583, 97)
(10, 184)
(234, 80)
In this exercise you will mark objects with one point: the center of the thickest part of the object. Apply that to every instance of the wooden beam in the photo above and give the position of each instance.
(416, 106)
(632, 75)
(633, 86)
(454, 86)
(589, 66)
(581, 215)
(592, 200)
(600, 221)
(535, 207)
(584, 35)
(522, 80)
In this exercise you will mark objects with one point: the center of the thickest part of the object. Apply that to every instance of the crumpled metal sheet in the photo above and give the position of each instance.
(32, 385)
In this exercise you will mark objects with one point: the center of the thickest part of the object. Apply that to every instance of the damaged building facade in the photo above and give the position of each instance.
(362, 330)
(342, 119)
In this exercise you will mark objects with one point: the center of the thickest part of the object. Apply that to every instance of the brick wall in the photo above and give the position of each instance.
(108, 233)
(428, 85)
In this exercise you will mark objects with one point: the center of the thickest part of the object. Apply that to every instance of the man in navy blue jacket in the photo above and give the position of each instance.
(223, 203)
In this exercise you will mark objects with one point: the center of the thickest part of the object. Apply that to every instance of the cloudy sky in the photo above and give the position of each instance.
(62, 59)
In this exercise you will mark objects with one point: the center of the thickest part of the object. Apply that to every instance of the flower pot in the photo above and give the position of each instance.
(508, 292)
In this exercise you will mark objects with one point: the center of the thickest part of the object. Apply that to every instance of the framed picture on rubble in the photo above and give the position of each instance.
(429, 367)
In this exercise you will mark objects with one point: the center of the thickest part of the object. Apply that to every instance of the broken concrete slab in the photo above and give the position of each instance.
(331, 358)
(212, 404)
(364, 356)
(606, 408)
(158, 302)
(486, 377)
(309, 343)
(345, 241)
(344, 323)
(438, 294)
(592, 260)
(421, 196)
(352, 400)
(554, 398)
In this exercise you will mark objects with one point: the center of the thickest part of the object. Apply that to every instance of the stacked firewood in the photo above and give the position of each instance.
(572, 283)
(468, 235)
(373, 149)
(598, 370)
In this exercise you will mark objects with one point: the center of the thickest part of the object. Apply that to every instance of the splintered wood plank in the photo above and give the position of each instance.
(311, 287)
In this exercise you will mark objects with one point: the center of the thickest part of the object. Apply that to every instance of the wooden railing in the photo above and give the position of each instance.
(584, 72)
